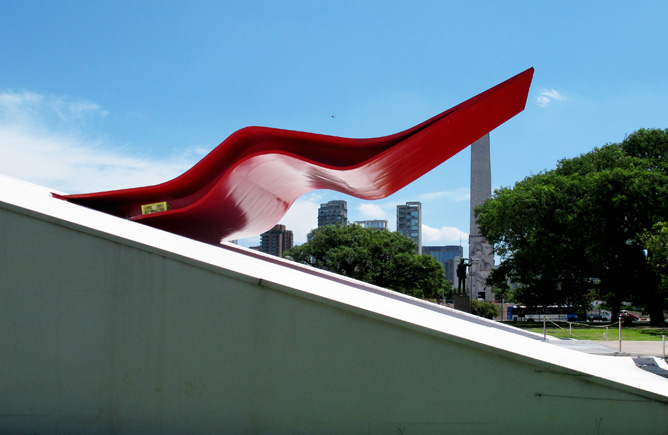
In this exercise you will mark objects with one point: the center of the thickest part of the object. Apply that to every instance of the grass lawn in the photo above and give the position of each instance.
(589, 332)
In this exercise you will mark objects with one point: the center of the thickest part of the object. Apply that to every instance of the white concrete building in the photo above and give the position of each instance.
(112, 327)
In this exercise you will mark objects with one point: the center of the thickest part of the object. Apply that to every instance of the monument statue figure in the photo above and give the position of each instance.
(461, 275)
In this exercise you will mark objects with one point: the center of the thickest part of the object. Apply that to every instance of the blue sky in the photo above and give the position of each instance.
(104, 95)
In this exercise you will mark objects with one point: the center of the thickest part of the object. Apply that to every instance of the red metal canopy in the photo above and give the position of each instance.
(247, 183)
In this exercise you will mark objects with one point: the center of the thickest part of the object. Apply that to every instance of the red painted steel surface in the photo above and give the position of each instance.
(247, 183)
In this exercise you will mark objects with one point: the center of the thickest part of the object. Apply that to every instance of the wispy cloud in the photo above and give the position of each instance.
(461, 194)
(43, 139)
(45, 110)
(302, 217)
(546, 96)
(446, 235)
(372, 211)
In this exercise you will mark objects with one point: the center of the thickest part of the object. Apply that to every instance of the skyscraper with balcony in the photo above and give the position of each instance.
(276, 241)
(333, 213)
(409, 222)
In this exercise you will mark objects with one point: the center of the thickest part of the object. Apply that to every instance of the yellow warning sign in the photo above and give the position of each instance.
(155, 207)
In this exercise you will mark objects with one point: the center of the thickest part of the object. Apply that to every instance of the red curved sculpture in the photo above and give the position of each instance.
(247, 183)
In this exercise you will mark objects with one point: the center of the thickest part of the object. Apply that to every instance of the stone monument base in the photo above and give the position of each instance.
(462, 302)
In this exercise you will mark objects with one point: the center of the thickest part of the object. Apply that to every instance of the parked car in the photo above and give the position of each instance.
(627, 317)
(602, 316)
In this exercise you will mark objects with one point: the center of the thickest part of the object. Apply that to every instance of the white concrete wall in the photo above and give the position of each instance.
(102, 334)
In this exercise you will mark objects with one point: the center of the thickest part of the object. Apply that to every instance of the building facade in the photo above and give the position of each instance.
(409, 222)
(276, 241)
(333, 213)
(449, 257)
(375, 224)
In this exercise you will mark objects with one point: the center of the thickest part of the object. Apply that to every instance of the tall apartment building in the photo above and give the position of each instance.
(409, 222)
(448, 256)
(375, 224)
(333, 213)
(276, 241)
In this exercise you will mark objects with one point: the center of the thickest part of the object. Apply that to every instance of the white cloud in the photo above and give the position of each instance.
(302, 217)
(29, 108)
(461, 194)
(546, 96)
(371, 211)
(445, 235)
(13, 101)
(74, 110)
(43, 141)
(71, 164)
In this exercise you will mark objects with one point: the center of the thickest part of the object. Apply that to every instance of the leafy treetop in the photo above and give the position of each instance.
(586, 225)
(382, 258)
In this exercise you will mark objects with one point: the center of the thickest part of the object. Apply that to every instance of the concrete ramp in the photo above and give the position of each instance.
(109, 326)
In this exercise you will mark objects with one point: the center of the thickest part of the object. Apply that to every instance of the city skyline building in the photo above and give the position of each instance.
(448, 256)
(276, 241)
(409, 222)
(333, 213)
(376, 224)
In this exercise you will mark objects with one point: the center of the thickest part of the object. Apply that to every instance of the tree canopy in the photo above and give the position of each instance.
(382, 258)
(587, 225)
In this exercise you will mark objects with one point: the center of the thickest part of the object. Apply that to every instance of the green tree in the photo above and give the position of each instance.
(484, 309)
(528, 226)
(381, 258)
(498, 281)
(656, 244)
(580, 227)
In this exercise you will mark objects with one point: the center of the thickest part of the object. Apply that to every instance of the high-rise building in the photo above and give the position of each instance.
(276, 241)
(374, 224)
(449, 257)
(333, 213)
(409, 222)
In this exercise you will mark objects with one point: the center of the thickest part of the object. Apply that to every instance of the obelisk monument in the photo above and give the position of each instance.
(480, 252)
